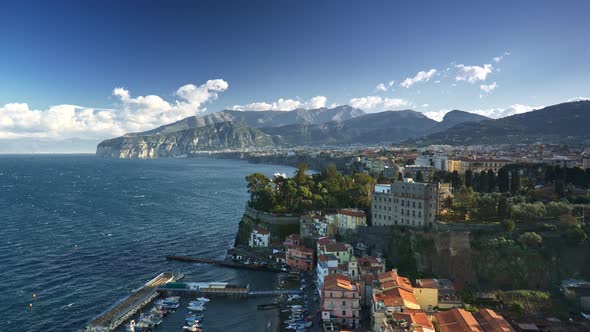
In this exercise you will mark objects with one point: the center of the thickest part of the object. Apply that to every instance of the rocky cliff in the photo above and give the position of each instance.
(219, 136)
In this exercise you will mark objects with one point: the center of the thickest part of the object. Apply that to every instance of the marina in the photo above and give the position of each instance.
(223, 263)
(165, 292)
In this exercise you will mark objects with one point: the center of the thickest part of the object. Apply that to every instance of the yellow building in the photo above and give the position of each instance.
(427, 298)
(476, 165)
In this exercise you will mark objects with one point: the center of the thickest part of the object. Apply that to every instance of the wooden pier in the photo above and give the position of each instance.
(223, 263)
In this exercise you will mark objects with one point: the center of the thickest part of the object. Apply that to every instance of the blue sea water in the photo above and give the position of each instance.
(81, 232)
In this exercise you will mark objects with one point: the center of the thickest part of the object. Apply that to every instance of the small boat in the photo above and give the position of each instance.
(203, 299)
(196, 308)
(195, 327)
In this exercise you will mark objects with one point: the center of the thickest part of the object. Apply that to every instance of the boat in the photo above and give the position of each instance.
(196, 308)
(203, 299)
(195, 327)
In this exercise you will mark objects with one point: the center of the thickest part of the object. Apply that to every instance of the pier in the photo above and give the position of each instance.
(127, 307)
(195, 289)
(223, 263)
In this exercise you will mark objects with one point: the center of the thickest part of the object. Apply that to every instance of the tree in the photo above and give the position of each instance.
(419, 176)
(400, 177)
(528, 212)
(483, 182)
(503, 207)
(530, 239)
(515, 181)
(491, 181)
(301, 173)
(486, 207)
(503, 180)
(456, 180)
(508, 225)
(469, 178)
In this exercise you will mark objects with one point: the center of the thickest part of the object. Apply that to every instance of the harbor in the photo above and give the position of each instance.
(170, 294)
(225, 263)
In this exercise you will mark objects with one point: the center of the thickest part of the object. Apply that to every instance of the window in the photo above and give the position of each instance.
(344, 314)
(344, 303)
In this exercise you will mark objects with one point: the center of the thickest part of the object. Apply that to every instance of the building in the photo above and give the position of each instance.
(586, 161)
(408, 203)
(326, 265)
(392, 293)
(560, 161)
(490, 321)
(446, 296)
(437, 162)
(350, 218)
(369, 267)
(300, 258)
(477, 165)
(411, 171)
(313, 226)
(340, 300)
(407, 322)
(342, 251)
(457, 320)
(259, 237)
(292, 240)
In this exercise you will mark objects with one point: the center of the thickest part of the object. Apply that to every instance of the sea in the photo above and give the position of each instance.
(79, 232)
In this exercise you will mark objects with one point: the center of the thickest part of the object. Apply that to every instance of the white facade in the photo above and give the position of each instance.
(438, 162)
(259, 238)
(323, 269)
(405, 203)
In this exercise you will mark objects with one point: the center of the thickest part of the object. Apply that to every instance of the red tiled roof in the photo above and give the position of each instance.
(324, 240)
(417, 318)
(353, 213)
(457, 320)
(426, 283)
(261, 230)
(338, 281)
(492, 322)
(332, 247)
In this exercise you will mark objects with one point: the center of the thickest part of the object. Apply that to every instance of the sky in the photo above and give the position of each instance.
(98, 69)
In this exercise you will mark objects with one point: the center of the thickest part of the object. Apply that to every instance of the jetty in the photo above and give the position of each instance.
(217, 289)
(124, 309)
(223, 263)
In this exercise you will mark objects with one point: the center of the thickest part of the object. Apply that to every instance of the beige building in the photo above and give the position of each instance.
(476, 165)
(408, 203)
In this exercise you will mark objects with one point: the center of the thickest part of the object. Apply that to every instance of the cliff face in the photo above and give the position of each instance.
(224, 135)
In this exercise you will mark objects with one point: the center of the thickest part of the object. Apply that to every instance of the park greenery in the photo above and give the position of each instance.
(326, 190)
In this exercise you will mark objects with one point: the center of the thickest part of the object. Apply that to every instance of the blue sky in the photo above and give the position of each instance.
(66, 58)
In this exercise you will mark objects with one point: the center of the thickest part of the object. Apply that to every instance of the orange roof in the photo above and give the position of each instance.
(338, 281)
(417, 318)
(426, 283)
(492, 322)
(457, 320)
(301, 249)
(396, 297)
(324, 240)
(354, 213)
(391, 279)
(332, 247)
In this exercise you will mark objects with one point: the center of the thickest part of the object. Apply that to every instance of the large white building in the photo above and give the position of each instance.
(408, 203)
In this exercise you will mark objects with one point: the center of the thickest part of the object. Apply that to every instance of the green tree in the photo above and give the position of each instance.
(456, 180)
(515, 181)
(469, 178)
(503, 207)
(503, 180)
(485, 207)
(491, 181)
(483, 182)
(301, 173)
(508, 225)
(419, 176)
(530, 239)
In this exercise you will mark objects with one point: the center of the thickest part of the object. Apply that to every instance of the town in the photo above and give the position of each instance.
(478, 238)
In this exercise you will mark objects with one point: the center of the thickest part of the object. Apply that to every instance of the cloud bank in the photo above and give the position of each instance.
(18, 120)
(283, 105)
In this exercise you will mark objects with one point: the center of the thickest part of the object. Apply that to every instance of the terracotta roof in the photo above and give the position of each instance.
(332, 247)
(426, 283)
(391, 279)
(261, 230)
(457, 320)
(354, 213)
(338, 281)
(302, 249)
(418, 318)
(396, 297)
(492, 322)
(324, 240)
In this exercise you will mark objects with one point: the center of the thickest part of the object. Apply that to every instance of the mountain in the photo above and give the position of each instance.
(561, 123)
(456, 117)
(259, 119)
(218, 136)
(384, 127)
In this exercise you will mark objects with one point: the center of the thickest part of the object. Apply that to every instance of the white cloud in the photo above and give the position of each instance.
(18, 120)
(283, 105)
(488, 88)
(578, 99)
(382, 87)
(423, 76)
(496, 113)
(473, 74)
(376, 103)
(425, 105)
(436, 115)
(501, 57)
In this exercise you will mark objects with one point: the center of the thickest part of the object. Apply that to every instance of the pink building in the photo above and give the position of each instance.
(292, 240)
(340, 300)
(300, 258)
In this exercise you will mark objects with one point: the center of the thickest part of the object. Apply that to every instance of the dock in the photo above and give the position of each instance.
(223, 263)
(217, 289)
(124, 309)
